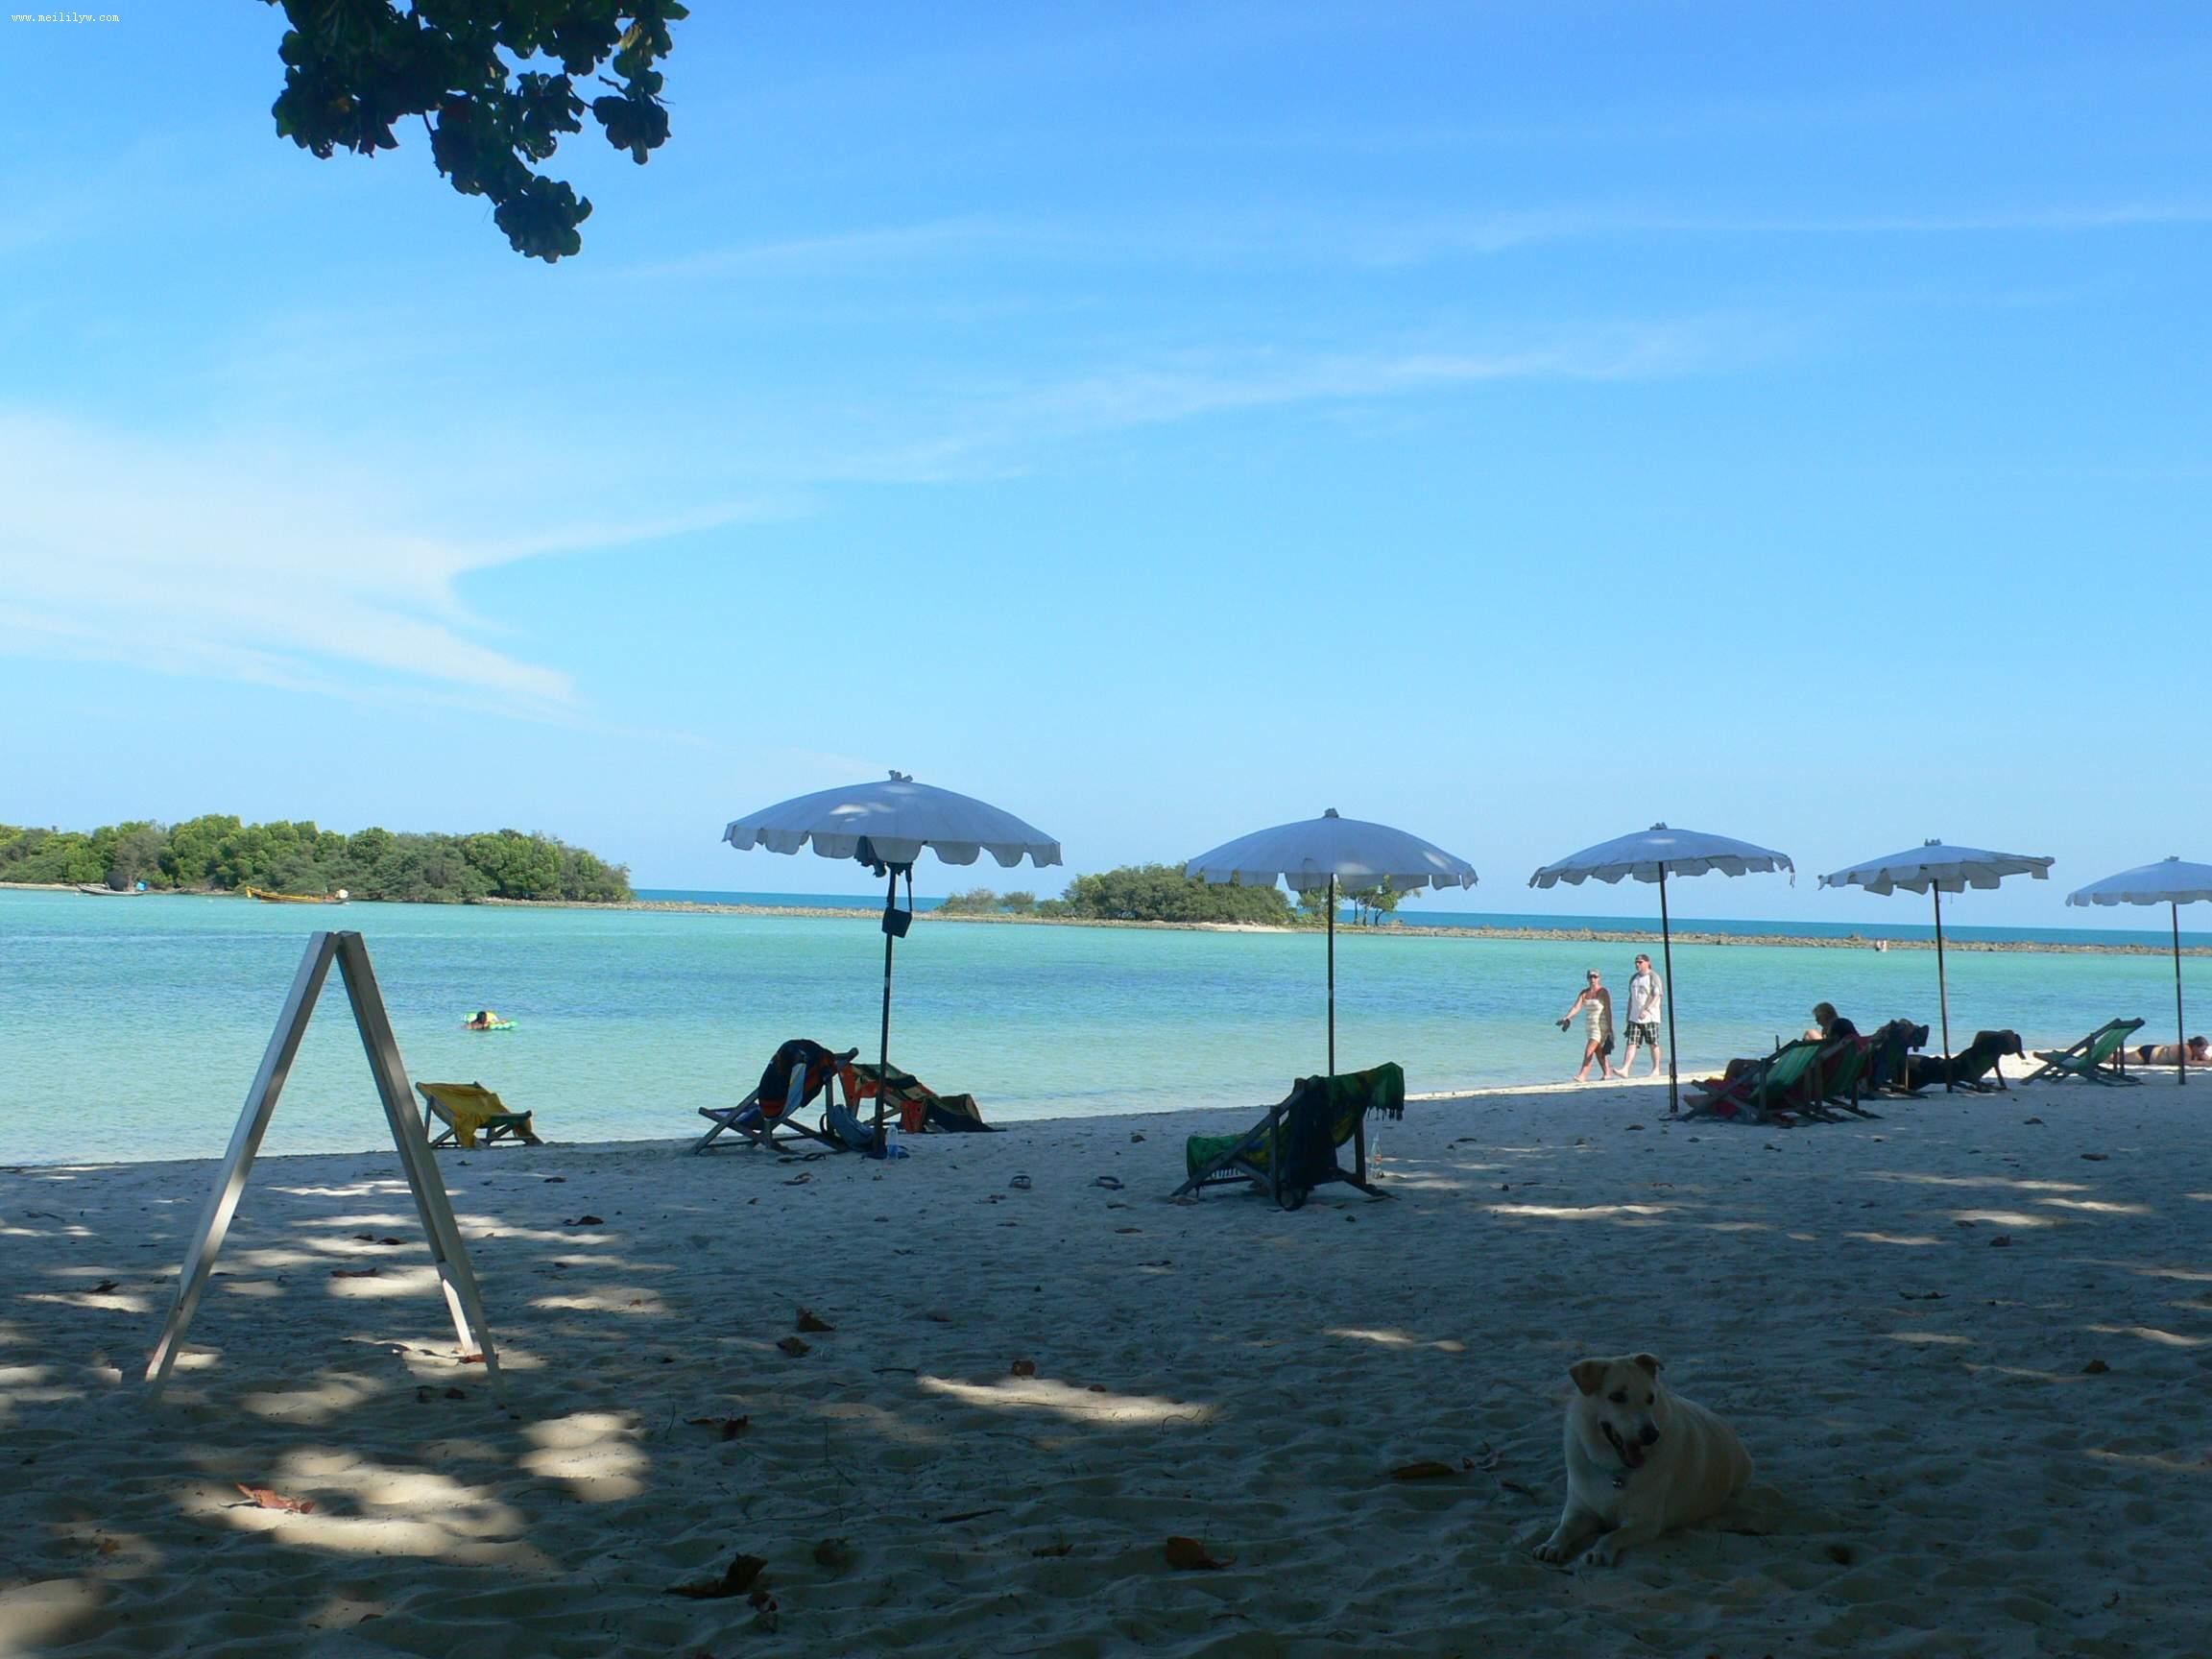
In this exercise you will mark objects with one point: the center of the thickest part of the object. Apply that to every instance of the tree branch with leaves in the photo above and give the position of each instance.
(481, 75)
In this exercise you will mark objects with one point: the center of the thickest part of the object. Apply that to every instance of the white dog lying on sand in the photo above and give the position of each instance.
(1640, 1461)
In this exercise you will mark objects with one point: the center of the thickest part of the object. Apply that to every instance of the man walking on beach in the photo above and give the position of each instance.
(1646, 991)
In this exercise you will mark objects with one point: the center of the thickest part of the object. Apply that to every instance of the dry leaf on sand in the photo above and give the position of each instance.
(1427, 1469)
(1024, 1368)
(724, 1427)
(1188, 1555)
(735, 1580)
(811, 1322)
(794, 1347)
(834, 1553)
(264, 1497)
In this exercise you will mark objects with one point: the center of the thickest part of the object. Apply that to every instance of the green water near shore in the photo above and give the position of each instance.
(131, 1029)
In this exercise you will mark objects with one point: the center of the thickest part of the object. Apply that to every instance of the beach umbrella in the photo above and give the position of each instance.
(1334, 854)
(1653, 855)
(1937, 868)
(2169, 882)
(886, 826)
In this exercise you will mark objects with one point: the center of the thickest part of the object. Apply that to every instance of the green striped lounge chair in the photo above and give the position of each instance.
(1294, 1147)
(2101, 1057)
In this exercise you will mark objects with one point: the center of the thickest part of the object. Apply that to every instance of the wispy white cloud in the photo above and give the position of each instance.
(225, 557)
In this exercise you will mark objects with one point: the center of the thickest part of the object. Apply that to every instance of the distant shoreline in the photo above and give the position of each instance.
(1556, 935)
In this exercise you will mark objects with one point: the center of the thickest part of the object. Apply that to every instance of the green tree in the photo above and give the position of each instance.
(1162, 893)
(975, 901)
(195, 850)
(494, 85)
(517, 865)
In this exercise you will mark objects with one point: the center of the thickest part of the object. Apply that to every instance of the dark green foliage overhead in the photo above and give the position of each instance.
(219, 853)
(495, 82)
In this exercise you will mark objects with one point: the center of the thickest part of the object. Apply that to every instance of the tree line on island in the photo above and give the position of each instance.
(218, 853)
(1164, 893)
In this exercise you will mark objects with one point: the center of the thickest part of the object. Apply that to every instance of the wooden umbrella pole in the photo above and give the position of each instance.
(1943, 985)
(1332, 975)
(2181, 1024)
(1666, 955)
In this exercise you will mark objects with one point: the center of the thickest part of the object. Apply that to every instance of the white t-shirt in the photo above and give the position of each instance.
(1644, 990)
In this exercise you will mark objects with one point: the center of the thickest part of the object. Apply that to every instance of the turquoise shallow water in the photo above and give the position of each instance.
(132, 1028)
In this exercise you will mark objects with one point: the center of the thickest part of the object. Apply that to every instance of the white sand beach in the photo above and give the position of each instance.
(1968, 1345)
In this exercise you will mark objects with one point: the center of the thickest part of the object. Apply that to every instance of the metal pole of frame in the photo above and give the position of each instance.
(883, 1041)
(448, 1253)
(2181, 1024)
(1332, 977)
(1942, 986)
(1667, 955)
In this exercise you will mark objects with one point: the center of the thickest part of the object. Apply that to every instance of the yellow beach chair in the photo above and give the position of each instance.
(468, 1110)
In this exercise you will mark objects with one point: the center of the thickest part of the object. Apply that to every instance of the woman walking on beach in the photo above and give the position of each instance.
(1595, 1006)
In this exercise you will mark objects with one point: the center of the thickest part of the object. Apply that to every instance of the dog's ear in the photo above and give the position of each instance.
(1649, 1362)
(1589, 1375)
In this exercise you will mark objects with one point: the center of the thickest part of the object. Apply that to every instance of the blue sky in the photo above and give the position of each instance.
(1516, 422)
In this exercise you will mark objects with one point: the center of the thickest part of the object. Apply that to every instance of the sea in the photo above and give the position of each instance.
(131, 1029)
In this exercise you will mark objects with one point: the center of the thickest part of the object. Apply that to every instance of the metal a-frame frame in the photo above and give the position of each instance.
(446, 1249)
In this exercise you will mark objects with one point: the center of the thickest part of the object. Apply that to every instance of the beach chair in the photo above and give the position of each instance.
(1842, 1071)
(1786, 1082)
(1889, 1051)
(2101, 1057)
(798, 1073)
(1292, 1149)
(468, 1110)
(920, 1110)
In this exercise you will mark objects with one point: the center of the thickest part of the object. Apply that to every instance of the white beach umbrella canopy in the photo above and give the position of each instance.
(2173, 882)
(898, 817)
(1936, 867)
(885, 824)
(1937, 864)
(1653, 855)
(1650, 853)
(1308, 855)
(1332, 853)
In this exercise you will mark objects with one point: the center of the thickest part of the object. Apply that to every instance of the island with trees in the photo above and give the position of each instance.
(218, 853)
(1164, 893)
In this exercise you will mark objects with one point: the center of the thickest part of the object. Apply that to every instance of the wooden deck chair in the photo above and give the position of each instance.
(920, 1109)
(1292, 1149)
(1843, 1067)
(1889, 1057)
(2101, 1057)
(796, 1074)
(468, 1110)
(1769, 1091)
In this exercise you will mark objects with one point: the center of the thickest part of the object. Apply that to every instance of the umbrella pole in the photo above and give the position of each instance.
(1332, 975)
(1667, 955)
(883, 1043)
(1942, 986)
(2181, 1024)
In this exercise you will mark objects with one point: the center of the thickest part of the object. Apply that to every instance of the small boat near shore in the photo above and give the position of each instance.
(338, 897)
(90, 891)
